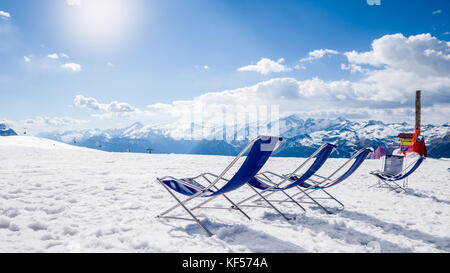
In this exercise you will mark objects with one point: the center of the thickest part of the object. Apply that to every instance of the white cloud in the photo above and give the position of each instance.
(8, 123)
(393, 70)
(266, 66)
(441, 54)
(205, 67)
(318, 54)
(53, 56)
(53, 121)
(109, 64)
(74, 67)
(422, 54)
(113, 107)
(378, 98)
(53, 62)
(354, 68)
(437, 11)
(4, 14)
(73, 2)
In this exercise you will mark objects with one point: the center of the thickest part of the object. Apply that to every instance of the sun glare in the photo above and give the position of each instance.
(96, 23)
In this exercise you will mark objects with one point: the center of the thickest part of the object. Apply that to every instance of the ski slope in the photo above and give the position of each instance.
(56, 197)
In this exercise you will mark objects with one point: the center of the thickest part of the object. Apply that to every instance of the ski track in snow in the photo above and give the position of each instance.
(59, 198)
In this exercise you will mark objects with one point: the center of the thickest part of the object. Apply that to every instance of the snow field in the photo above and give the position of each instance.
(56, 197)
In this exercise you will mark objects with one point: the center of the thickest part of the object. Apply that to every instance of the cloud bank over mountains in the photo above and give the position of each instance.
(392, 70)
(385, 79)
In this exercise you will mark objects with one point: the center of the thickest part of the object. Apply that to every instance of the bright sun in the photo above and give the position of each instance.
(101, 22)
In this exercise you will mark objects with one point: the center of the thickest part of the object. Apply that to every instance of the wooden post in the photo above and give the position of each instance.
(418, 105)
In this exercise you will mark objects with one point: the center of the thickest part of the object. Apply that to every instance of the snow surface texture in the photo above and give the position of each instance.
(59, 198)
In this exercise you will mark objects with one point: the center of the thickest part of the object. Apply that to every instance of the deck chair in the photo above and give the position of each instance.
(260, 148)
(394, 171)
(320, 183)
(267, 186)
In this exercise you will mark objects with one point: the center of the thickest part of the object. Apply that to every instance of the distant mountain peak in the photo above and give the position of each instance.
(136, 125)
(293, 117)
(5, 130)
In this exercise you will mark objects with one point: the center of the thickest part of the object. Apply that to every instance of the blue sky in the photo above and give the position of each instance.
(153, 58)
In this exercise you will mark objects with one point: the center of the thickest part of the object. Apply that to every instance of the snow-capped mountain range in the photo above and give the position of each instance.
(301, 137)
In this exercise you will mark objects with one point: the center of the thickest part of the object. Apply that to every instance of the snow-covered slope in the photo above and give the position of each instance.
(59, 198)
(36, 143)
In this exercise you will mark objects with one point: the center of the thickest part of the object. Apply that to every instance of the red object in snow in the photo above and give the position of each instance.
(420, 147)
(413, 141)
